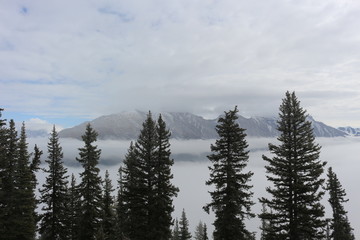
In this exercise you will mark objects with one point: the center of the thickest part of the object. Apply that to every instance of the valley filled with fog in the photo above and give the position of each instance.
(191, 171)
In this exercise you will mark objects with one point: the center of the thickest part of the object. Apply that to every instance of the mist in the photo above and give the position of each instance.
(191, 172)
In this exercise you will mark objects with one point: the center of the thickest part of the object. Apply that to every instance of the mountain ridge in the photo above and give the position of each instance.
(183, 125)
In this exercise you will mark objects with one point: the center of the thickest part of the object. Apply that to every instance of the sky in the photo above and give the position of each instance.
(65, 62)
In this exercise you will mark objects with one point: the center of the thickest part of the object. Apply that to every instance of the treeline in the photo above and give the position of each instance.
(86, 209)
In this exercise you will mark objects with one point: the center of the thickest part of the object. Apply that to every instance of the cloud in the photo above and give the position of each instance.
(93, 58)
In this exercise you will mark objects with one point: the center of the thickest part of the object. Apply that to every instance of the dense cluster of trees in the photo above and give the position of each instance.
(143, 206)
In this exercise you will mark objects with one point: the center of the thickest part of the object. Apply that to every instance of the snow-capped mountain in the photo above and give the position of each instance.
(350, 131)
(182, 125)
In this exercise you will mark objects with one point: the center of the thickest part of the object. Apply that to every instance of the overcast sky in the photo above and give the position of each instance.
(68, 61)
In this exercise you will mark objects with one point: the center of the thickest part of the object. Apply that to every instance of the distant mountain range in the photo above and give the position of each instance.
(350, 131)
(127, 125)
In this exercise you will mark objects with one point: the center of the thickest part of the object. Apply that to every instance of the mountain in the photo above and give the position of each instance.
(350, 131)
(182, 125)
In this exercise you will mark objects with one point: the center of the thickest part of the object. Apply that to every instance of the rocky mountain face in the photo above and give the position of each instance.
(127, 126)
(350, 131)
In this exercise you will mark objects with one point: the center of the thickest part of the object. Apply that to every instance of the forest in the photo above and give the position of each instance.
(139, 206)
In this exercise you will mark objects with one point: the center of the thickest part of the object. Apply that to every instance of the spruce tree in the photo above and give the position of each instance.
(108, 221)
(3, 146)
(175, 235)
(184, 233)
(120, 208)
(231, 199)
(340, 225)
(54, 193)
(148, 190)
(205, 235)
(133, 198)
(74, 207)
(163, 188)
(90, 186)
(199, 231)
(9, 172)
(25, 196)
(295, 171)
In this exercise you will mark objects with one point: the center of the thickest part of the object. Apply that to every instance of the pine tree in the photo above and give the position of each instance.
(163, 188)
(8, 200)
(340, 225)
(25, 196)
(175, 235)
(120, 208)
(108, 221)
(90, 186)
(133, 198)
(54, 193)
(205, 235)
(74, 208)
(199, 231)
(231, 199)
(3, 147)
(295, 171)
(184, 233)
(148, 191)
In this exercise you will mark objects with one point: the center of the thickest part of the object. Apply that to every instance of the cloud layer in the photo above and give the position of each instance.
(90, 58)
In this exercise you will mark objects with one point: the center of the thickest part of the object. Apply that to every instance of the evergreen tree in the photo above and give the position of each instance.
(231, 199)
(148, 191)
(25, 196)
(205, 235)
(9, 172)
(199, 231)
(295, 171)
(54, 194)
(163, 188)
(133, 199)
(340, 225)
(120, 208)
(108, 221)
(3, 147)
(184, 233)
(176, 231)
(90, 186)
(74, 207)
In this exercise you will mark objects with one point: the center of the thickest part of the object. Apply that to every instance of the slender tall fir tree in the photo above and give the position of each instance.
(54, 195)
(340, 225)
(176, 231)
(25, 200)
(231, 199)
(120, 208)
(3, 195)
(184, 233)
(148, 191)
(108, 221)
(90, 187)
(295, 171)
(74, 207)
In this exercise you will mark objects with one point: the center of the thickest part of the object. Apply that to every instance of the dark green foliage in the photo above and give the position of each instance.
(74, 207)
(25, 197)
(231, 199)
(3, 160)
(8, 175)
(295, 171)
(184, 233)
(147, 190)
(175, 235)
(205, 235)
(163, 189)
(54, 194)
(120, 209)
(340, 225)
(108, 221)
(90, 186)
